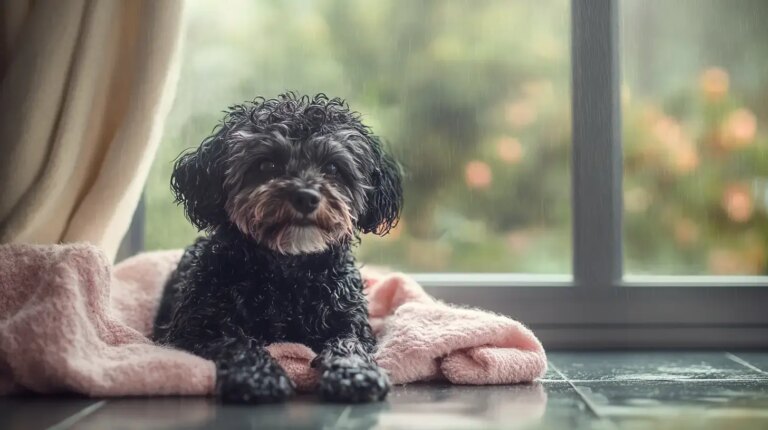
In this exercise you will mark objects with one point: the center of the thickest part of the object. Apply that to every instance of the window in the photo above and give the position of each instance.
(473, 125)
(524, 126)
(695, 137)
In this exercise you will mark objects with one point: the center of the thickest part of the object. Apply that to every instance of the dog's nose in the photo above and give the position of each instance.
(306, 200)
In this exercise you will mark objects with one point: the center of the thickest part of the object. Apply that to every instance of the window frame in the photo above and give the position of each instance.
(598, 306)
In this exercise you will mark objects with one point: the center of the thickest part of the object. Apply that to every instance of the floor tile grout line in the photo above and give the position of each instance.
(745, 363)
(584, 398)
(74, 418)
(342, 417)
(610, 381)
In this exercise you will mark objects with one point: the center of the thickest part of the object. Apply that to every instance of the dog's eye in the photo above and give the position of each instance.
(268, 166)
(331, 169)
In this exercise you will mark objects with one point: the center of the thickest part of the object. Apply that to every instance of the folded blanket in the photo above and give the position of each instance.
(68, 323)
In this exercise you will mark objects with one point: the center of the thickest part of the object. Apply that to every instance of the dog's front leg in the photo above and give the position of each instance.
(349, 373)
(245, 372)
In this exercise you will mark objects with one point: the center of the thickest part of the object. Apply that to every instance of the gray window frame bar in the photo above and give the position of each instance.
(133, 241)
(599, 307)
(597, 162)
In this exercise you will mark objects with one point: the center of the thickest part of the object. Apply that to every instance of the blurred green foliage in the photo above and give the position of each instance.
(473, 97)
(695, 105)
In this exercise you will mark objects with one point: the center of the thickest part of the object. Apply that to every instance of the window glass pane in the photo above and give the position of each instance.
(695, 110)
(473, 97)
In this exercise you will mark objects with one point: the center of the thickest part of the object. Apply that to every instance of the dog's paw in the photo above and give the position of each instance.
(348, 380)
(254, 385)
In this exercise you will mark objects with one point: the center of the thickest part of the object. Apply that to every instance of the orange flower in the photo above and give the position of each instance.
(737, 203)
(670, 132)
(509, 149)
(521, 113)
(750, 260)
(686, 159)
(754, 255)
(725, 262)
(686, 231)
(649, 114)
(714, 83)
(477, 174)
(739, 129)
(676, 141)
(519, 240)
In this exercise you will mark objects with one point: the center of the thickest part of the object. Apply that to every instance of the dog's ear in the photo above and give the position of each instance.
(385, 198)
(198, 179)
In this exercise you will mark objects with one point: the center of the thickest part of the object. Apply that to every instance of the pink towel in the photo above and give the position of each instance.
(69, 323)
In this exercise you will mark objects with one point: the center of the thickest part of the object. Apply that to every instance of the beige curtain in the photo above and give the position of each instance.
(84, 88)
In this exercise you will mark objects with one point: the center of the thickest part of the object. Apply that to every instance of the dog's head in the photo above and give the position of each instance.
(296, 174)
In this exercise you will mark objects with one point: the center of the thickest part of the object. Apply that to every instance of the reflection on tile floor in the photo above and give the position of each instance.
(651, 366)
(22, 413)
(610, 390)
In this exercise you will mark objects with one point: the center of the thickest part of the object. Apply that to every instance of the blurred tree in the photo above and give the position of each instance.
(474, 97)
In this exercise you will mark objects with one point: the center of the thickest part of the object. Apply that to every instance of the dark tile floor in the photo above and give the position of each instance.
(603, 390)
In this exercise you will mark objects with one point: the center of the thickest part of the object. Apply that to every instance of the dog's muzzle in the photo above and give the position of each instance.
(306, 200)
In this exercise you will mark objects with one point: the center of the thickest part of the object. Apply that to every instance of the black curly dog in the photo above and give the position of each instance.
(283, 188)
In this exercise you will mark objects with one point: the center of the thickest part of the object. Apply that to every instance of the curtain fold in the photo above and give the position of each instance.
(84, 90)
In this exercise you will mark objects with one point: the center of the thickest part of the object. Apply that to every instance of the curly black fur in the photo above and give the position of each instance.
(238, 290)
(199, 175)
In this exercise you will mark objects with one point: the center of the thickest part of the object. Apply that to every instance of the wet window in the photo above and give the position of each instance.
(473, 97)
(695, 110)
